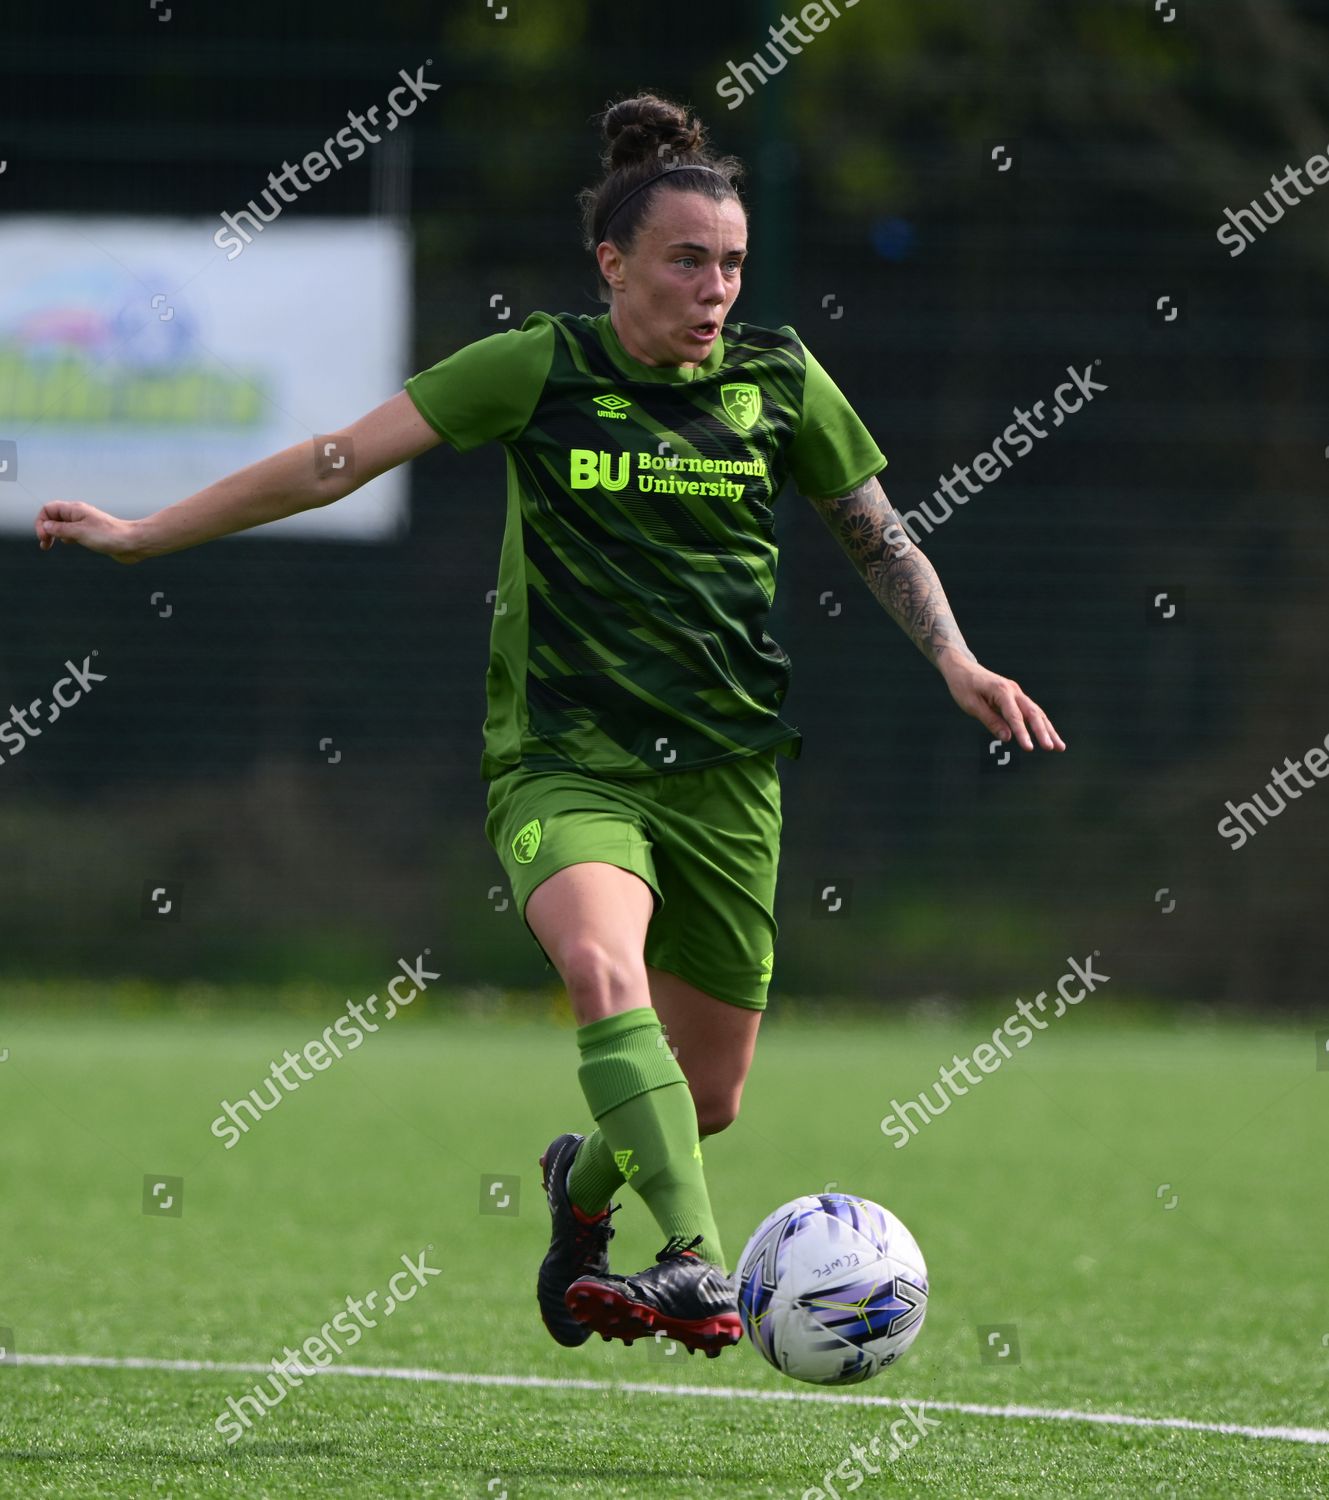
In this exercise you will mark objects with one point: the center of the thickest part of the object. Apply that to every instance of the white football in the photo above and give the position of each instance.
(831, 1288)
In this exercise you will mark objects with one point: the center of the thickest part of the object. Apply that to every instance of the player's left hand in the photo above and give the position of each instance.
(1000, 704)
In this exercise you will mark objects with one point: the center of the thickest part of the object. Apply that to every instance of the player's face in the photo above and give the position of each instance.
(673, 291)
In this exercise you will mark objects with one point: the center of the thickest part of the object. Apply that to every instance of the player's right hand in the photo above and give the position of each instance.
(73, 521)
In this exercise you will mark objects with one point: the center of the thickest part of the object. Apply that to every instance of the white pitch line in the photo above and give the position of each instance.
(651, 1388)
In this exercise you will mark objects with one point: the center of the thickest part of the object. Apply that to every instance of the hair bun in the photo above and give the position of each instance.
(649, 128)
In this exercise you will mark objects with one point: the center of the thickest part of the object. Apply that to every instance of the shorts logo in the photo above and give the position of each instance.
(742, 403)
(527, 842)
(767, 965)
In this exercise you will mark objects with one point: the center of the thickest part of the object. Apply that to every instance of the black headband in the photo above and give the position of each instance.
(678, 167)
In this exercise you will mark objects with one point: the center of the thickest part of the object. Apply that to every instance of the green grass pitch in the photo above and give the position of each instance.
(1040, 1200)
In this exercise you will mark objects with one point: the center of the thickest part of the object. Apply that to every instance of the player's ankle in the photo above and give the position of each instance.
(586, 1217)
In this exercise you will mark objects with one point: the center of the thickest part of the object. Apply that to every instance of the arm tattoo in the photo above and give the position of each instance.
(902, 580)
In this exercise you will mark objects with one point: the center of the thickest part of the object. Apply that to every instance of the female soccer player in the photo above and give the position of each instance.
(633, 693)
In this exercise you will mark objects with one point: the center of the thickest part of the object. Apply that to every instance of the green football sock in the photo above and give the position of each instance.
(648, 1127)
(594, 1176)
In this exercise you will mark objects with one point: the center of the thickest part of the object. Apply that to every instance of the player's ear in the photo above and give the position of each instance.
(611, 263)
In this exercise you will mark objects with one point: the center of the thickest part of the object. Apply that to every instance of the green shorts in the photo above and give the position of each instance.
(706, 842)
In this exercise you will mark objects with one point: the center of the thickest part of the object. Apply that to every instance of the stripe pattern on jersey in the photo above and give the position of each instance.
(645, 577)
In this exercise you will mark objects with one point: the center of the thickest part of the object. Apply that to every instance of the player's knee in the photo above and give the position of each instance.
(597, 977)
(716, 1113)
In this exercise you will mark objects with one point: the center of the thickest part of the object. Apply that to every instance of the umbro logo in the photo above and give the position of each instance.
(621, 1160)
(612, 406)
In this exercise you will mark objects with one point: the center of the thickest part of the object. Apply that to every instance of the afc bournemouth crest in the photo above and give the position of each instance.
(527, 842)
(742, 403)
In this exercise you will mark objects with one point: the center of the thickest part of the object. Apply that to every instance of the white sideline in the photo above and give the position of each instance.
(719, 1392)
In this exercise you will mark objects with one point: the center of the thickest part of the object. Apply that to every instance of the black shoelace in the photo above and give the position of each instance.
(600, 1232)
(678, 1245)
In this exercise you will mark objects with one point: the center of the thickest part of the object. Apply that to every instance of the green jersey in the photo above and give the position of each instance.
(638, 560)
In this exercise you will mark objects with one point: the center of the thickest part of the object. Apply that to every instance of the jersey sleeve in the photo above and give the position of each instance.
(831, 452)
(486, 390)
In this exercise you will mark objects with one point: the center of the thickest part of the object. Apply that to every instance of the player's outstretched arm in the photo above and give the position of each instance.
(905, 583)
(278, 486)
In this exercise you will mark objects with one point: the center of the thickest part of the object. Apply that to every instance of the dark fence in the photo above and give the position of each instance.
(293, 753)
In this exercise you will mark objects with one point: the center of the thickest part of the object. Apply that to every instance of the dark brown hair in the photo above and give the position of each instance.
(645, 135)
